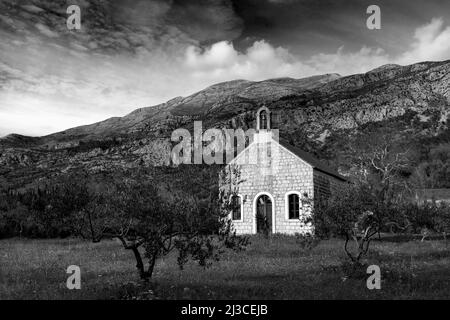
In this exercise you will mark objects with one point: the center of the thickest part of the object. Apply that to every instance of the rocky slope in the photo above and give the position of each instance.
(317, 113)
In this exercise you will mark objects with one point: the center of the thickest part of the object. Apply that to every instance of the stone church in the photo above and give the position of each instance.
(278, 184)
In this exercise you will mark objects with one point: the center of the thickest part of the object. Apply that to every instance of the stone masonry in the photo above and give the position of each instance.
(277, 173)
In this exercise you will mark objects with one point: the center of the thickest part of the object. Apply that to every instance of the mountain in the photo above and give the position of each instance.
(227, 97)
(318, 114)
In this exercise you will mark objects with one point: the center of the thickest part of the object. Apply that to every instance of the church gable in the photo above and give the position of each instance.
(266, 153)
(259, 161)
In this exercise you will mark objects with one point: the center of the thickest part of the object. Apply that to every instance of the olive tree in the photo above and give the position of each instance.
(357, 216)
(442, 220)
(156, 211)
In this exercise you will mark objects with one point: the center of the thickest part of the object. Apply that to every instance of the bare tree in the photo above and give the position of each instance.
(378, 163)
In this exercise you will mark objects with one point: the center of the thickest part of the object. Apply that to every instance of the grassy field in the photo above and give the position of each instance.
(275, 268)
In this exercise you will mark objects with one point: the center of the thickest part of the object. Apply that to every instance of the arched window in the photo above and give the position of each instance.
(294, 206)
(236, 208)
(263, 120)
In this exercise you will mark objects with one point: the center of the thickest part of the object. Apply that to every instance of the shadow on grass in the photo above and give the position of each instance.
(403, 237)
(418, 254)
(249, 288)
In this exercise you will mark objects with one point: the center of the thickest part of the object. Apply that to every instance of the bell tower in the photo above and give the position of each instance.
(263, 119)
(263, 125)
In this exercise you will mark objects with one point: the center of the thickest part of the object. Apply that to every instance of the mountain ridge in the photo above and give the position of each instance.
(391, 69)
(318, 114)
(181, 106)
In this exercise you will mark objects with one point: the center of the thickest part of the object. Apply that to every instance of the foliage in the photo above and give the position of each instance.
(353, 214)
(164, 210)
(306, 241)
(381, 165)
(433, 171)
(441, 220)
(356, 215)
(379, 199)
(86, 146)
(158, 210)
(46, 211)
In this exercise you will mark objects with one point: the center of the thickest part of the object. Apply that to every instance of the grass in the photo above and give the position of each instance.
(274, 268)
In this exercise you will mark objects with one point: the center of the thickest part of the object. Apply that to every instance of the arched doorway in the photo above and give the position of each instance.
(264, 214)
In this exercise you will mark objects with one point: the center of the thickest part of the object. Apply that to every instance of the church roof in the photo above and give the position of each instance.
(311, 160)
(305, 156)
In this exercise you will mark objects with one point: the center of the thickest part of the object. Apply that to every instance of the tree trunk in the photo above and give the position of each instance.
(139, 263)
(134, 247)
(151, 265)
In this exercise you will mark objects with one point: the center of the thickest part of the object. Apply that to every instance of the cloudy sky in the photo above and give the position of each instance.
(132, 54)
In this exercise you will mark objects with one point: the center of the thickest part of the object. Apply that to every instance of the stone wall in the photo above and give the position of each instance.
(325, 185)
(275, 176)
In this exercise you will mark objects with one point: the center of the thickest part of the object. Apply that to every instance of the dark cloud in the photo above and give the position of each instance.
(309, 26)
(206, 20)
